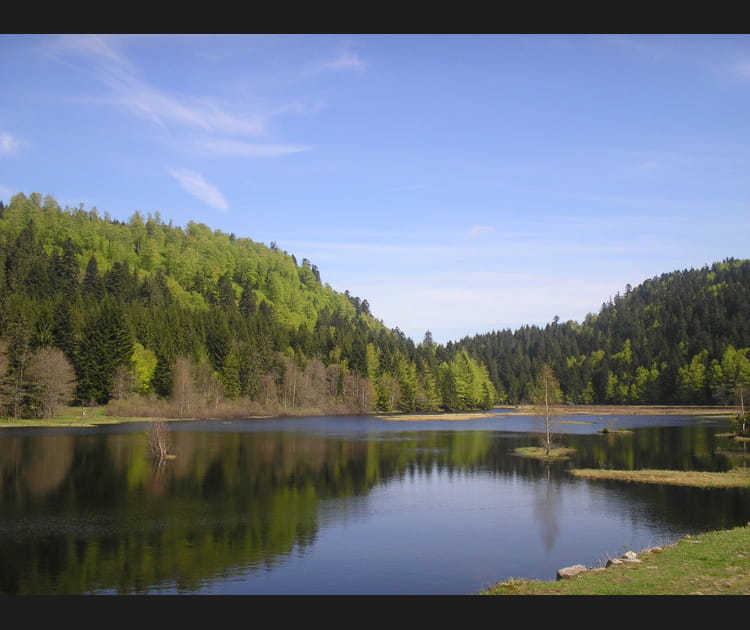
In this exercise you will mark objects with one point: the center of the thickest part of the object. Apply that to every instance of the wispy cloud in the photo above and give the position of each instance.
(128, 90)
(8, 144)
(241, 148)
(478, 230)
(720, 53)
(742, 70)
(347, 60)
(194, 185)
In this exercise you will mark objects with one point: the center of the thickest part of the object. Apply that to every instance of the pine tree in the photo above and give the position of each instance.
(106, 344)
(93, 284)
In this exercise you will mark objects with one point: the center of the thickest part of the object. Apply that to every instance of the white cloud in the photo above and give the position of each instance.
(194, 184)
(345, 61)
(8, 144)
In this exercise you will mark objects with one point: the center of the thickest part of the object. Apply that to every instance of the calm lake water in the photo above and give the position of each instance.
(343, 505)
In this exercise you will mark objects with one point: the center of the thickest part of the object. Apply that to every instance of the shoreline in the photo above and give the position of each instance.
(632, 410)
(709, 563)
(73, 417)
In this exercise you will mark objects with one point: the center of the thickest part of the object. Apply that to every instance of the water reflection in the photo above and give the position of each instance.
(252, 508)
(547, 506)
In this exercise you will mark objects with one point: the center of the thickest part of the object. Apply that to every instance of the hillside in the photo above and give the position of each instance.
(682, 337)
(145, 310)
(201, 322)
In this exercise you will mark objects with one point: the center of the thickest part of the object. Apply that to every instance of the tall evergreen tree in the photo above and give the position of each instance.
(107, 343)
(93, 284)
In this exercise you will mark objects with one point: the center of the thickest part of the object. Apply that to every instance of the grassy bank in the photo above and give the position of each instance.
(735, 478)
(630, 410)
(715, 563)
(75, 417)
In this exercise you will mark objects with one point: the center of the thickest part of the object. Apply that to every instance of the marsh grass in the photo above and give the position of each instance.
(735, 478)
(406, 417)
(715, 563)
(556, 453)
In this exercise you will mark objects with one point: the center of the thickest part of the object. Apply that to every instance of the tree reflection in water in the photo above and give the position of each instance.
(93, 512)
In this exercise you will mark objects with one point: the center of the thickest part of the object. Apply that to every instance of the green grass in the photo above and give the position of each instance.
(735, 478)
(715, 563)
(73, 417)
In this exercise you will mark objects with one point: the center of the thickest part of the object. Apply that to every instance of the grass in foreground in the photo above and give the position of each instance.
(715, 563)
(735, 478)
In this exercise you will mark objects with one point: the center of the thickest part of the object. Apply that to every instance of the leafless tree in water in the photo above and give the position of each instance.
(158, 440)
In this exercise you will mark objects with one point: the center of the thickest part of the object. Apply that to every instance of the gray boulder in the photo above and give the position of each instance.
(570, 572)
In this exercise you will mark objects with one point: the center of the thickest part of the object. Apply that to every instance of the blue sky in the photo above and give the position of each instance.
(459, 183)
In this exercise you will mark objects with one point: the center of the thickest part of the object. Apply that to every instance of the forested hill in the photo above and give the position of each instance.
(682, 337)
(192, 321)
(97, 309)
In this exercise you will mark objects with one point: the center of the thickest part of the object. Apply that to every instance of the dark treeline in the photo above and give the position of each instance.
(682, 337)
(154, 318)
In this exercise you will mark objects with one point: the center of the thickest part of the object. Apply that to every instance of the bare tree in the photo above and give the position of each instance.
(183, 386)
(123, 384)
(50, 381)
(207, 384)
(158, 440)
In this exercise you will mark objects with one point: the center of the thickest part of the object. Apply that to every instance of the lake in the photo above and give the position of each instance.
(343, 505)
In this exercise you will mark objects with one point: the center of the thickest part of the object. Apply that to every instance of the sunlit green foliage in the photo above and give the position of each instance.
(240, 308)
(141, 295)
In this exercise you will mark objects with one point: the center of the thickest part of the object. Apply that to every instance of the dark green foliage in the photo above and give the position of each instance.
(655, 344)
(66, 269)
(120, 283)
(19, 351)
(106, 344)
(93, 284)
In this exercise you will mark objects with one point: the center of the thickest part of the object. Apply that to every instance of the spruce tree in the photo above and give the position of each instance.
(107, 343)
